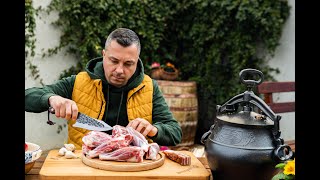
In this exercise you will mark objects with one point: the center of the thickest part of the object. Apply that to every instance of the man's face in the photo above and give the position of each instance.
(119, 63)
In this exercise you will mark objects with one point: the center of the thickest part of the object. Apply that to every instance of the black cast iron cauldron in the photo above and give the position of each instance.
(244, 141)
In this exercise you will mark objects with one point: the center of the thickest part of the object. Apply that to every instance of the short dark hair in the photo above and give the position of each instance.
(125, 37)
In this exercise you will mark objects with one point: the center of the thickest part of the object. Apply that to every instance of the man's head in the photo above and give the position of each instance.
(120, 56)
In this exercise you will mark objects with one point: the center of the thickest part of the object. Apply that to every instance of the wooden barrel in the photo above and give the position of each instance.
(181, 97)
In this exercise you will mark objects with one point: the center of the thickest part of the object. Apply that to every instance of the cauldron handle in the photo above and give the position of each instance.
(206, 135)
(281, 154)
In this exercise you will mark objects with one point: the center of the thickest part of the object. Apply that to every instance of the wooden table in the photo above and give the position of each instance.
(34, 172)
(199, 169)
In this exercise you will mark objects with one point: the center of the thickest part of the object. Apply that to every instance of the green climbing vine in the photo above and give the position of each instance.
(30, 39)
(30, 26)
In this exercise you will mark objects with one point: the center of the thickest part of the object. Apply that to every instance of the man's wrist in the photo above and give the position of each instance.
(46, 99)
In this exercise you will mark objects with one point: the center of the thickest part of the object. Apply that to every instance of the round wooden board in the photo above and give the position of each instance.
(124, 166)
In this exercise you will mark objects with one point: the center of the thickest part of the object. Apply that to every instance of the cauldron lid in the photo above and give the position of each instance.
(243, 108)
(246, 118)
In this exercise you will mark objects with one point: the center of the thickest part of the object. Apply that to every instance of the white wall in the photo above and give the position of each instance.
(39, 132)
(285, 60)
(36, 128)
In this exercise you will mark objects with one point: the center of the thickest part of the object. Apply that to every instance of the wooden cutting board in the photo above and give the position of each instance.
(124, 166)
(58, 167)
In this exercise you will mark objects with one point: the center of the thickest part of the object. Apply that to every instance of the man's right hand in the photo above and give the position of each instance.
(64, 108)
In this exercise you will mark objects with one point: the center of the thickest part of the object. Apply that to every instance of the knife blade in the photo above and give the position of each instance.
(89, 123)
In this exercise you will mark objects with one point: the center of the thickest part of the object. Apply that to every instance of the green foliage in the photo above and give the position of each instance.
(279, 176)
(210, 42)
(30, 25)
(30, 40)
(86, 24)
(280, 165)
(282, 176)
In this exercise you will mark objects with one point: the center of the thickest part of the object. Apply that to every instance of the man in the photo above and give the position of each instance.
(113, 88)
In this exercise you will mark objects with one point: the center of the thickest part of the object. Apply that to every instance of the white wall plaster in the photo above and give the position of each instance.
(36, 128)
(284, 59)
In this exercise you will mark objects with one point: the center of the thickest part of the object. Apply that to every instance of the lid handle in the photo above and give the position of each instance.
(249, 82)
(248, 98)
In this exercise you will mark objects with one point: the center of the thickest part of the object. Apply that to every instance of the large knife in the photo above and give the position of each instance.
(87, 122)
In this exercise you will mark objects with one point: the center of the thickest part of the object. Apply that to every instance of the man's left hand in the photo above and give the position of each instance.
(143, 126)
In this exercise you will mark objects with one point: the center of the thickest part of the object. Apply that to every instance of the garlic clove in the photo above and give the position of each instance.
(62, 151)
(70, 155)
(70, 147)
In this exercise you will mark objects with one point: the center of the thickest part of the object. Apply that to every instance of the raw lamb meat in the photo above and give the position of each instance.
(118, 131)
(111, 145)
(129, 154)
(125, 144)
(138, 139)
(86, 149)
(95, 138)
(179, 157)
(153, 150)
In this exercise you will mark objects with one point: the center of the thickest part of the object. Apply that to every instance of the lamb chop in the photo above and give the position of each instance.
(111, 145)
(129, 154)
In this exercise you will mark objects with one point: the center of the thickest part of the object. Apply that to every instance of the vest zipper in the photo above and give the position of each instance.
(135, 92)
(100, 111)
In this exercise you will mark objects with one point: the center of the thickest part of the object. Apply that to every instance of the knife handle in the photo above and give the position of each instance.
(51, 110)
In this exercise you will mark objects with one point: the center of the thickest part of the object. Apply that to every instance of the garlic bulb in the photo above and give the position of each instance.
(62, 151)
(70, 147)
(70, 155)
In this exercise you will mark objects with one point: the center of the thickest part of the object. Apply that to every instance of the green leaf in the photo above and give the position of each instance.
(279, 176)
(289, 177)
(280, 165)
